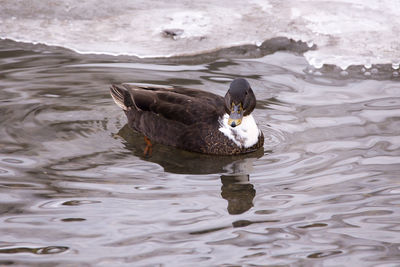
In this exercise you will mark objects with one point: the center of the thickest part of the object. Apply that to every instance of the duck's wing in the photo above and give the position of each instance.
(188, 106)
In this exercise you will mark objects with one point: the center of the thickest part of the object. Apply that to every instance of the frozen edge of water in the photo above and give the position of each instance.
(357, 32)
(368, 71)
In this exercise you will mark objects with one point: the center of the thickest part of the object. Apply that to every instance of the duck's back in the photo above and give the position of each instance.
(176, 117)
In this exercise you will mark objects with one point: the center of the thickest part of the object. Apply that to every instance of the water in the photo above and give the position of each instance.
(75, 188)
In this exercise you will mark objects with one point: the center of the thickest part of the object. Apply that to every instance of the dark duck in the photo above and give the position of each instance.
(191, 119)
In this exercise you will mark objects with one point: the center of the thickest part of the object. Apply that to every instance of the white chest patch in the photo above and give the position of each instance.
(244, 135)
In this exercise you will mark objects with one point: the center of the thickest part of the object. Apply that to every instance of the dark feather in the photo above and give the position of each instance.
(187, 106)
(184, 118)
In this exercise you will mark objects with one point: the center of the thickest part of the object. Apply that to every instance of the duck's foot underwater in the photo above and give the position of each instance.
(148, 149)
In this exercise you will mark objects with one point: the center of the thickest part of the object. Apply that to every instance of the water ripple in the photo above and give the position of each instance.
(37, 251)
(76, 188)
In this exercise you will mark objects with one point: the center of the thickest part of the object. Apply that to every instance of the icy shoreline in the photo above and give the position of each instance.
(345, 32)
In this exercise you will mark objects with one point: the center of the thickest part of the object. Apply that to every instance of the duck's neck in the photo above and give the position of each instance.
(244, 135)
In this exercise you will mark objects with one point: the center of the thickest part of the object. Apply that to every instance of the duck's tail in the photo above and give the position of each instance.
(121, 97)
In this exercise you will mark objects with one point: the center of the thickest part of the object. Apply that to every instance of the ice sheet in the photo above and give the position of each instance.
(346, 32)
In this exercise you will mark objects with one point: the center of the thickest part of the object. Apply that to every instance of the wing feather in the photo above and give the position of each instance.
(188, 106)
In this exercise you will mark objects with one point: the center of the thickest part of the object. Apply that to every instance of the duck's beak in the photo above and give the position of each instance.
(235, 118)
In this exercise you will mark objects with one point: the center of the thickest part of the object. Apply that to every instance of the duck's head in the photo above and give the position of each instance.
(239, 101)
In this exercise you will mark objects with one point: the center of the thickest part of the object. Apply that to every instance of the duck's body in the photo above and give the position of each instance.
(189, 119)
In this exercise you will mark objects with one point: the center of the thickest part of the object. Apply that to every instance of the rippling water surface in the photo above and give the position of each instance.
(75, 188)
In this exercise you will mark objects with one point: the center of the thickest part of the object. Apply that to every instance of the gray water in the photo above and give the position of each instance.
(76, 190)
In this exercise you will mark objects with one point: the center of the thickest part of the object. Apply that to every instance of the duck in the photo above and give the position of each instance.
(192, 119)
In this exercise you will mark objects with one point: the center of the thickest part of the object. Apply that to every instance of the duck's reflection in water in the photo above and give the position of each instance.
(238, 191)
(236, 187)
